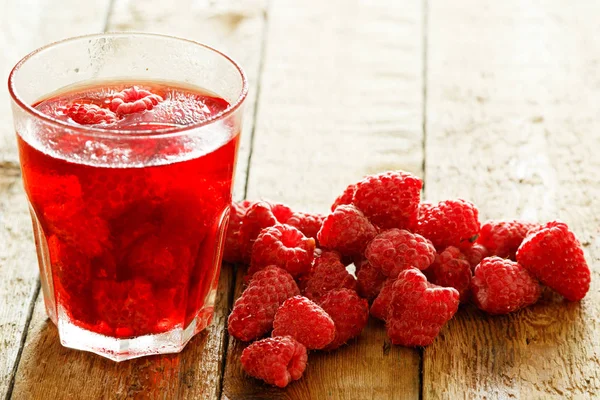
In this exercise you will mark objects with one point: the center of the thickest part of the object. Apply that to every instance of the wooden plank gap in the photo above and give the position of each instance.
(13, 373)
(261, 65)
(232, 295)
(109, 11)
(424, 109)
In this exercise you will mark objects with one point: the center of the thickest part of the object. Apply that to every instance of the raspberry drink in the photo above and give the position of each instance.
(129, 185)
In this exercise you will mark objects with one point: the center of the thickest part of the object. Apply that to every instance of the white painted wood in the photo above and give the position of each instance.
(340, 97)
(512, 124)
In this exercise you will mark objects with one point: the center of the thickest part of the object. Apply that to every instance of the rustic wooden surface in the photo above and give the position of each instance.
(306, 151)
(491, 101)
(512, 125)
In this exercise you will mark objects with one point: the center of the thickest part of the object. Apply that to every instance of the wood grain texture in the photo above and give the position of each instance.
(512, 125)
(27, 26)
(18, 271)
(340, 97)
(50, 371)
(236, 28)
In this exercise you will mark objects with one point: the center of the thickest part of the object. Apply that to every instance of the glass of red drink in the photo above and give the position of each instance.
(128, 144)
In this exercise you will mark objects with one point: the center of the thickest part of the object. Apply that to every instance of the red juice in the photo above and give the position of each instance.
(132, 238)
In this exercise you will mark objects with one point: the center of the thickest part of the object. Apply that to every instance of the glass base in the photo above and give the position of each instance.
(115, 349)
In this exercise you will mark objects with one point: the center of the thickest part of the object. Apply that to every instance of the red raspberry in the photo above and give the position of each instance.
(346, 230)
(474, 254)
(276, 360)
(502, 286)
(285, 247)
(90, 114)
(451, 269)
(395, 250)
(128, 307)
(369, 280)
(260, 215)
(553, 255)
(418, 309)
(389, 199)
(160, 260)
(349, 312)
(344, 198)
(253, 313)
(381, 304)
(305, 321)
(503, 238)
(309, 224)
(328, 273)
(449, 223)
(414, 219)
(133, 100)
(232, 252)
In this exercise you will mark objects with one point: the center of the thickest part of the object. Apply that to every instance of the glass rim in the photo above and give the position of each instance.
(129, 133)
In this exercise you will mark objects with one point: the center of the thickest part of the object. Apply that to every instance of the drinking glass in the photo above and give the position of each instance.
(129, 224)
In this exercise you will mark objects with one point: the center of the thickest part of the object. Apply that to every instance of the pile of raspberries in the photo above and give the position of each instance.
(415, 262)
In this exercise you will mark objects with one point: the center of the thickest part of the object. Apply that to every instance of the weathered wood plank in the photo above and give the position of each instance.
(511, 124)
(50, 371)
(333, 108)
(18, 268)
(235, 28)
(23, 29)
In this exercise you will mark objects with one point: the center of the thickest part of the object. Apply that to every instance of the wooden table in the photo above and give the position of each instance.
(494, 101)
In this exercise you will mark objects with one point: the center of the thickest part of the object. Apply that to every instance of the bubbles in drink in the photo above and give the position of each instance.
(130, 110)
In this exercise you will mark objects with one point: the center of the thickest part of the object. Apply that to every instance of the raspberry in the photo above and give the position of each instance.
(395, 250)
(260, 215)
(90, 114)
(369, 280)
(305, 321)
(388, 199)
(127, 307)
(309, 224)
(502, 286)
(72, 275)
(449, 223)
(133, 100)
(232, 252)
(160, 260)
(253, 313)
(349, 312)
(276, 360)
(346, 230)
(414, 219)
(59, 203)
(381, 304)
(503, 238)
(451, 269)
(418, 309)
(553, 255)
(328, 273)
(474, 254)
(285, 247)
(344, 198)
